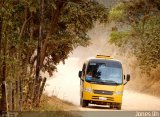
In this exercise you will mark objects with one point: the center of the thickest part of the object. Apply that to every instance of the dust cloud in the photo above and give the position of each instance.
(65, 83)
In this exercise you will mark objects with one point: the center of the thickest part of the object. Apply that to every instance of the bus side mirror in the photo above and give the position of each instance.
(80, 74)
(128, 77)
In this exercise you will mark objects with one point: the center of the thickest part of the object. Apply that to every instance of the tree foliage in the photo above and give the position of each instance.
(65, 26)
(138, 24)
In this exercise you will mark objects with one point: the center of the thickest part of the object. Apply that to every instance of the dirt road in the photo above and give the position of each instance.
(133, 101)
(138, 101)
(65, 85)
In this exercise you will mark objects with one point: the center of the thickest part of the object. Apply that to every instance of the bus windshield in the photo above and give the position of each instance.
(109, 72)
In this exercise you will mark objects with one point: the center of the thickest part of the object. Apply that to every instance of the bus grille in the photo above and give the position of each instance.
(107, 98)
(103, 92)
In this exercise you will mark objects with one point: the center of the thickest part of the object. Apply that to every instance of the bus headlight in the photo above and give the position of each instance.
(88, 90)
(118, 93)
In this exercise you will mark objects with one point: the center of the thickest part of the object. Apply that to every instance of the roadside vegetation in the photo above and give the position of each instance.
(136, 32)
(52, 106)
(52, 103)
(35, 36)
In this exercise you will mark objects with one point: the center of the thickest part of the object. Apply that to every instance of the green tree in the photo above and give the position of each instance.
(64, 27)
(137, 24)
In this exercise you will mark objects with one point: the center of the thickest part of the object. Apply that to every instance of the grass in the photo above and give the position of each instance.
(49, 107)
(68, 103)
(53, 107)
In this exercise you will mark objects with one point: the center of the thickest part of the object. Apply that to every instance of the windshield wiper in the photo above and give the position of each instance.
(103, 81)
(109, 81)
(114, 82)
(94, 81)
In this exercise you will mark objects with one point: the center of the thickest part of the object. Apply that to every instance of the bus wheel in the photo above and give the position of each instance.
(84, 103)
(119, 106)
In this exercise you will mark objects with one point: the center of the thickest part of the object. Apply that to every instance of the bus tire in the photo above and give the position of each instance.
(119, 106)
(84, 103)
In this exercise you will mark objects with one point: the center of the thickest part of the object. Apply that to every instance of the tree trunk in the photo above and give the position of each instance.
(40, 39)
(17, 96)
(13, 100)
(10, 96)
(37, 80)
(55, 15)
(3, 71)
(0, 35)
(42, 88)
(20, 95)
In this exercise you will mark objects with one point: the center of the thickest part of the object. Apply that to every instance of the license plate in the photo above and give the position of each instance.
(102, 98)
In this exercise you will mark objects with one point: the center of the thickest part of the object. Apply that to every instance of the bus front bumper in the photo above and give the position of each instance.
(102, 99)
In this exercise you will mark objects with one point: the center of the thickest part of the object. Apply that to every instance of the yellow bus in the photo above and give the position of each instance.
(102, 82)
